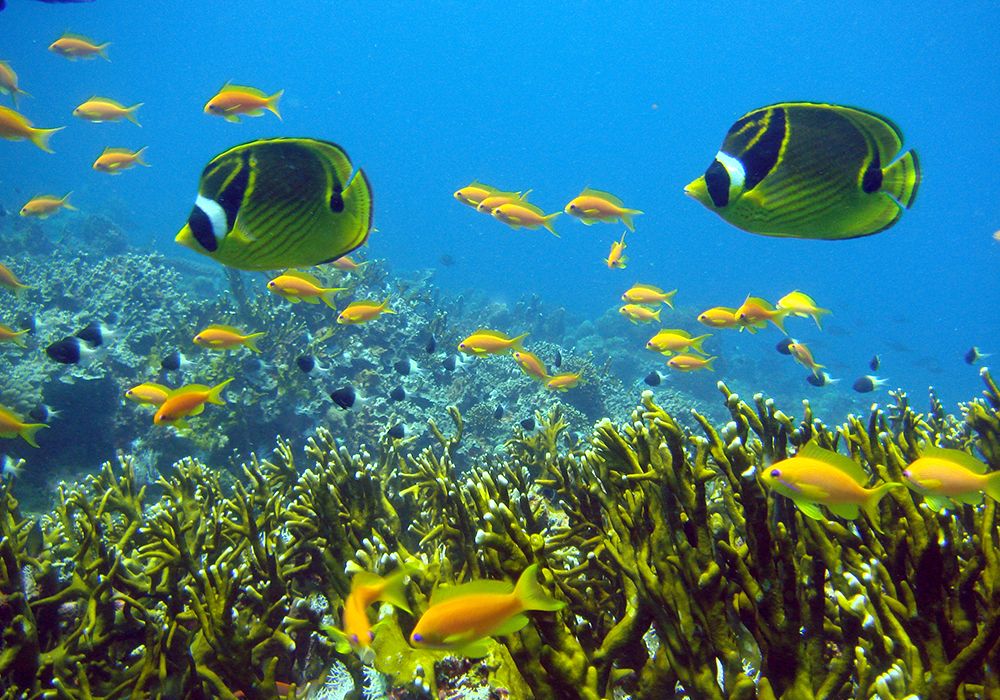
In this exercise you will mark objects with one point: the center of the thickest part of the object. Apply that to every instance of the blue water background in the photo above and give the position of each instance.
(632, 97)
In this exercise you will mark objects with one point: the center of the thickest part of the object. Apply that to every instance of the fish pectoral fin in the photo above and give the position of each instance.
(231, 118)
(810, 510)
(517, 622)
(845, 510)
(937, 502)
(310, 300)
(474, 650)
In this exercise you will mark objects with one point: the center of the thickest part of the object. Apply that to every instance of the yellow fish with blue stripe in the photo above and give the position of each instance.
(279, 203)
(806, 170)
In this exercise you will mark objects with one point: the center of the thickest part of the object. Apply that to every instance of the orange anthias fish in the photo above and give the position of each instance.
(15, 127)
(9, 280)
(690, 363)
(648, 294)
(187, 401)
(520, 213)
(74, 46)
(563, 381)
(9, 335)
(45, 205)
(299, 286)
(639, 314)
(531, 365)
(494, 200)
(8, 82)
(363, 312)
(474, 193)
(803, 355)
(367, 588)
(675, 340)
(114, 160)
(461, 619)
(592, 206)
(615, 258)
(234, 100)
(800, 304)
(719, 317)
(149, 394)
(104, 109)
(756, 312)
(485, 342)
(346, 264)
(217, 337)
(815, 477)
(11, 427)
(945, 477)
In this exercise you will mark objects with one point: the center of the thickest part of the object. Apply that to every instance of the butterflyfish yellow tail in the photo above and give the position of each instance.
(902, 179)
(531, 594)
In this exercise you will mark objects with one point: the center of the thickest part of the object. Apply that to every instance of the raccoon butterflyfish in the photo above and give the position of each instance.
(805, 170)
(279, 203)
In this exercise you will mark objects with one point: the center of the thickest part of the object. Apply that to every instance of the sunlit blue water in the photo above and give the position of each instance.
(633, 98)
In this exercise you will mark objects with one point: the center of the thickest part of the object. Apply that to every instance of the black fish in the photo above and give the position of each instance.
(398, 394)
(974, 356)
(93, 333)
(654, 378)
(528, 424)
(171, 363)
(498, 413)
(558, 361)
(406, 366)
(822, 379)
(447, 260)
(450, 363)
(782, 346)
(345, 397)
(397, 431)
(431, 345)
(306, 363)
(252, 364)
(874, 364)
(67, 351)
(868, 384)
(42, 413)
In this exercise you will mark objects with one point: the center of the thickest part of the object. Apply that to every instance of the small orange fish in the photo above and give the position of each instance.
(639, 314)
(593, 205)
(531, 365)
(564, 381)
(756, 312)
(800, 304)
(518, 214)
(649, 295)
(187, 401)
(346, 264)
(485, 342)
(363, 312)
(945, 477)
(11, 427)
(234, 100)
(8, 82)
(690, 363)
(803, 355)
(74, 46)
(491, 202)
(149, 394)
(217, 337)
(676, 340)
(8, 280)
(104, 109)
(299, 286)
(367, 588)
(9, 335)
(615, 258)
(462, 618)
(474, 193)
(719, 317)
(15, 127)
(45, 205)
(114, 160)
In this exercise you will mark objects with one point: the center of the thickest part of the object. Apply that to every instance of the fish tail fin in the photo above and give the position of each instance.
(668, 298)
(130, 113)
(778, 319)
(516, 344)
(709, 363)
(215, 393)
(870, 506)
(394, 591)
(102, 51)
(385, 306)
(695, 343)
(626, 217)
(547, 222)
(251, 340)
(138, 157)
(64, 203)
(902, 179)
(272, 103)
(28, 431)
(329, 296)
(531, 594)
(993, 485)
(358, 200)
(656, 315)
(18, 338)
(40, 137)
(818, 315)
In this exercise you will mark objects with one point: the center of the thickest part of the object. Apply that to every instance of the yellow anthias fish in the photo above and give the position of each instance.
(806, 170)
(756, 312)
(234, 100)
(494, 200)
(8, 82)
(593, 205)
(803, 355)
(355, 632)
(187, 401)
(815, 477)
(650, 295)
(9, 335)
(474, 193)
(520, 213)
(15, 127)
(9, 280)
(114, 160)
(149, 394)
(800, 304)
(719, 317)
(299, 286)
(11, 427)
(531, 365)
(363, 312)
(103, 109)
(945, 477)
(45, 205)
(218, 337)
(461, 619)
(347, 264)
(690, 363)
(279, 203)
(639, 314)
(74, 46)
(616, 259)
(563, 381)
(485, 342)
(676, 340)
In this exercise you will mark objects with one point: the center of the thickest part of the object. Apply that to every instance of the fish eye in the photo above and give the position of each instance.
(775, 473)
(417, 637)
(371, 636)
(354, 639)
(907, 473)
